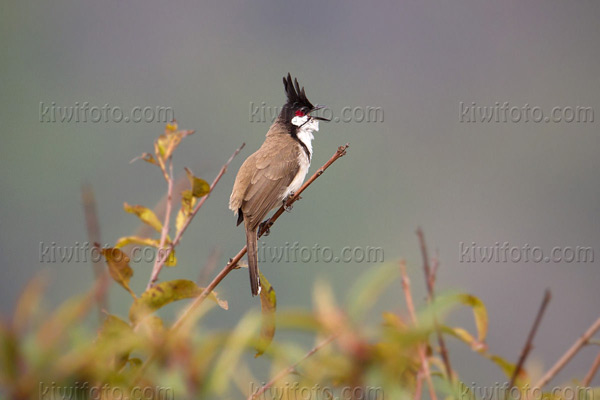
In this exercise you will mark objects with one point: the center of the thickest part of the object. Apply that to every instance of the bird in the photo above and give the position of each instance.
(271, 175)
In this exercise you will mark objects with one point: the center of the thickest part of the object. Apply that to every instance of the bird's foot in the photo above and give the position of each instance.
(264, 229)
(288, 207)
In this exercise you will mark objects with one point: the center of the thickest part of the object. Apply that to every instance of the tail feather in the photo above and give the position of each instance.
(251, 244)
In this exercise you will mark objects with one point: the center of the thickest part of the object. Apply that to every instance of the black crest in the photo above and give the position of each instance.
(296, 97)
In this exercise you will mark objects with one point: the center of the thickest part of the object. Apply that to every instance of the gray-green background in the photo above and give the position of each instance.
(524, 183)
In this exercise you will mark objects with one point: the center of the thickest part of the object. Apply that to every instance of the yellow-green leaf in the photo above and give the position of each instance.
(149, 158)
(188, 201)
(118, 266)
(145, 214)
(113, 327)
(268, 305)
(466, 337)
(124, 241)
(171, 260)
(199, 186)
(168, 142)
(165, 293)
(116, 339)
(479, 312)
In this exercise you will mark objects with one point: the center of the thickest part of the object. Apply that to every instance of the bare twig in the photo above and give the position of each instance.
(529, 343)
(413, 316)
(590, 375)
(175, 242)
(341, 151)
(568, 355)
(93, 231)
(429, 280)
(161, 257)
(291, 368)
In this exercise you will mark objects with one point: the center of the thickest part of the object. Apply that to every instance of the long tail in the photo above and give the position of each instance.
(251, 239)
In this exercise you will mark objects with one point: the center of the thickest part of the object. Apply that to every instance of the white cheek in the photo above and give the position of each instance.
(299, 120)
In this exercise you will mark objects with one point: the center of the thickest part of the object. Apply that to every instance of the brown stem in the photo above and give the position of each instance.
(413, 316)
(161, 258)
(569, 354)
(429, 280)
(291, 368)
(93, 232)
(529, 343)
(232, 264)
(178, 235)
(590, 375)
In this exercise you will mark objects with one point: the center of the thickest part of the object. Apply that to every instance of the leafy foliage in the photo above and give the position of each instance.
(45, 352)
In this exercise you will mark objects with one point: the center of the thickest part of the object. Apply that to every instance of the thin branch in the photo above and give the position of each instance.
(529, 343)
(426, 268)
(146, 230)
(161, 257)
(568, 355)
(590, 375)
(413, 316)
(93, 232)
(341, 151)
(175, 242)
(419, 385)
(429, 280)
(232, 264)
(291, 368)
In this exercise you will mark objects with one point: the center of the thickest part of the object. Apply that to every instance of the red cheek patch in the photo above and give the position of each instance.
(299, 113)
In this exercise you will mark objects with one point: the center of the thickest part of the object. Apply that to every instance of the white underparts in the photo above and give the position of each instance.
(305, 130)
(305, 135)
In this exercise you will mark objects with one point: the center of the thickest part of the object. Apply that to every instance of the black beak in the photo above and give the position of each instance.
(318, 107)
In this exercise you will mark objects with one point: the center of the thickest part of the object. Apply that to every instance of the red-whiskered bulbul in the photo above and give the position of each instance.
(276, 170)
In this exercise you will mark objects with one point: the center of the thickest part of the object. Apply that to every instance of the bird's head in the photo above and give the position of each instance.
(297, 109)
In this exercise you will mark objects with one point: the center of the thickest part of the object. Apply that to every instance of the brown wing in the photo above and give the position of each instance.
(276, 166)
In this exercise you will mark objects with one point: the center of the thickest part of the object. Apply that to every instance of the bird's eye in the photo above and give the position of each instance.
(299, 113)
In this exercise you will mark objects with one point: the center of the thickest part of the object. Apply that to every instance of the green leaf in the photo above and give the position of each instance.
(268, 305)
(145, 214)
(199, 186)
(479, 312)
(165, 293)
(118, 266)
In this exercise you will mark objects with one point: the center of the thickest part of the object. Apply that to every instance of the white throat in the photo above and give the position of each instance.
(305, 130)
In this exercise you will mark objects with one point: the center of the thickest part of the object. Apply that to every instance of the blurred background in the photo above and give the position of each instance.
(425, 160)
